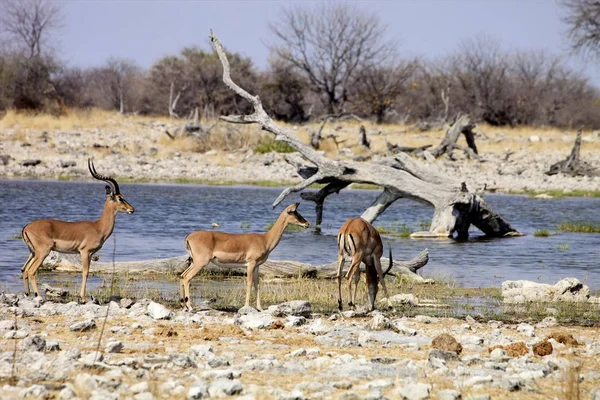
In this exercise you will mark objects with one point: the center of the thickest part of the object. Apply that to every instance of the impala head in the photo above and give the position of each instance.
(112, 190)
(293, 217)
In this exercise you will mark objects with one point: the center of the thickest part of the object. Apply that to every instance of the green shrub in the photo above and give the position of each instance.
(267, 145)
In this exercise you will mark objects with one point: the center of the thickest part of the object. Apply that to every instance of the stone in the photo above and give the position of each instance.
(318, 327)
(202, 351)
(33, 343)
(139, 387)
(442, 354)
(83, 326)
(126, 303)
(299, 308)
(225, 387)
(248, 310)
(542, 348)
(526, 329)
(547, 322)
(343, 385)
(403, 300)
(158, 311)
(399, 327)
(67, 393)
(568, 289)
(8, 325)
(379, 322)
(198, 390)
(446, 342)
(52, 345)
(498, 354)
(448, 394)
(414, 391)
(257, 321)
(114, 346)
(478, 380)
(34, 391)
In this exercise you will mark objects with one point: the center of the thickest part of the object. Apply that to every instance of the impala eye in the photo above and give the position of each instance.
(122, 200)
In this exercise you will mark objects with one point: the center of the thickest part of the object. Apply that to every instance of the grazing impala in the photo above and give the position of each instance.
(251, 249)
(360, 240)
(83, 237)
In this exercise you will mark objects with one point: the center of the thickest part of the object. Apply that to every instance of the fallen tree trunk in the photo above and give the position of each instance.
(271, 268)
(573, 165)
(455, 206)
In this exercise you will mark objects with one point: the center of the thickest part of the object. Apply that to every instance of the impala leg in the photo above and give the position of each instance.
(256, 287)
(85, 264)
(187, 276)
(377, 263)
(339, 279)
(249, 281)
(354, 270)
(36, 262)
(355, 279)
(371, 284)
(24, 273)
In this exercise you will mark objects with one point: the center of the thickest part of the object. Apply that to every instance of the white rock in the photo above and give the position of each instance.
(478, 380)
(139, 387)
(415, 391)
(379, 322)
(114, 346)
(158, 311)
(448, 394)
(498, 354)
(225, 387)
(403, 299)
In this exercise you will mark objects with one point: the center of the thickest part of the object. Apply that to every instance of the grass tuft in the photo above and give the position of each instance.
(579, 227)
(396, 228)
(541, 233)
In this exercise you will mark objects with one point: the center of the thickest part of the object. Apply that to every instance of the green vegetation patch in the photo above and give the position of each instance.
(395, 228)
(268, 145)
(541, 233)
(558, 193)
(579, 227)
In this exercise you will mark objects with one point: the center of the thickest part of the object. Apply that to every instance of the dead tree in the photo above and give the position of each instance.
(455, 206)
(363, 140)
(573, 165)
(463, 125)
(173, 101)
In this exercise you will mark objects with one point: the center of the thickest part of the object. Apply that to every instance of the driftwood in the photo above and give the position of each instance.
(461, 125)
(271, 268)
(573, 165)
(455, 206)
(395, 148)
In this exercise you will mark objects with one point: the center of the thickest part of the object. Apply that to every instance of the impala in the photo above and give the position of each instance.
(360, 240)
(83, 237)
(224, 249)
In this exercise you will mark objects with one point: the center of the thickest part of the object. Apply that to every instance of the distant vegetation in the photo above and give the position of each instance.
(268, 144)
(308, 76)
(541, 233)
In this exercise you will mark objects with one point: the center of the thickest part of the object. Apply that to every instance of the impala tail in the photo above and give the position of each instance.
(391, 262)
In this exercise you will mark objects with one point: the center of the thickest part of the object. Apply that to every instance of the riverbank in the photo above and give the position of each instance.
(150, 351)
(137, 149)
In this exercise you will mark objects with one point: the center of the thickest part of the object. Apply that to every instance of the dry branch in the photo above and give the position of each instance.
(456, 208)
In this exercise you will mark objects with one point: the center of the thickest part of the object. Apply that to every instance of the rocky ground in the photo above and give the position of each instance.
(287, 352)
(139, 150)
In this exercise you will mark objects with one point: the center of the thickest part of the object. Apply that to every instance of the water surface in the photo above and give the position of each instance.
(166, 213)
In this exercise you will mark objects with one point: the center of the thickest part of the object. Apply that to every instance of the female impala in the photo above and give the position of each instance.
(251, 249)
(360, 240)
(83, 237)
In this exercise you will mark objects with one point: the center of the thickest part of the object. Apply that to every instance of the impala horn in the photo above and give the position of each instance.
(107, 179)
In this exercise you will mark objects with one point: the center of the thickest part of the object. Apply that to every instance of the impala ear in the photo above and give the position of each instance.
(109, 192)
(293, 208)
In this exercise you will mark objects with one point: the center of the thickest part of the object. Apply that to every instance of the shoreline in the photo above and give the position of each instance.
(553, 193)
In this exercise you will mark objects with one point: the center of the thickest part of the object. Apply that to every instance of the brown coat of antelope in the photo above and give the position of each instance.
(250, 249)
(83, 237)
(360, 240)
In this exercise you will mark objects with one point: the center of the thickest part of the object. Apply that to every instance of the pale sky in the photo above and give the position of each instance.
(145, 30)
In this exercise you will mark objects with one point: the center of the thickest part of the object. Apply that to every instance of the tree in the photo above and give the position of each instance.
(284, 92)
(583, 21)
(30, 23)
(330, 44)
(117, 85)
(378, 88)
(29, 26)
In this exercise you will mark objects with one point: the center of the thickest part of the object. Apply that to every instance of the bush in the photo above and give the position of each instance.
(267, 145)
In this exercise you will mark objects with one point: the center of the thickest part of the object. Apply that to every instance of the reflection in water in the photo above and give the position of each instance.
(165, 214)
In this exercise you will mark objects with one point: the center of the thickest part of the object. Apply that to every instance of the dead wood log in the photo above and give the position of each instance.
(455, 206)
(573, 165)
(395, 148)
(271, 268)
(463, 125)
(363, 140)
